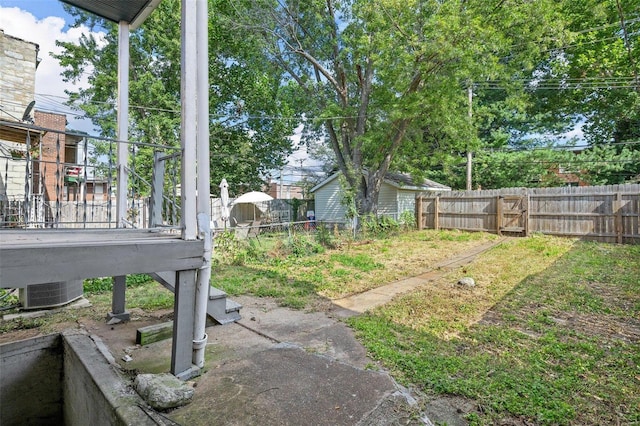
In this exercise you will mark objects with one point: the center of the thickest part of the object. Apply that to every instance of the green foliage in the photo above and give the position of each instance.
(245, 144)
(101, 285)
(233, 251)
(7, 299)
(21, 324)
(408, 220)
(385, 81)
(300, 245)
(325, 237)
(379, 226)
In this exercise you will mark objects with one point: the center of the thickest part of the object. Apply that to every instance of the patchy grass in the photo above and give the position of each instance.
(298, 275)
(550, 334)
(142, 292)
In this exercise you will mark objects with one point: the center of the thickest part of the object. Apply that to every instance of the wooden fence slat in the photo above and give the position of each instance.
(617, 209)
(419, 215)
(604, 213)
(499, 215)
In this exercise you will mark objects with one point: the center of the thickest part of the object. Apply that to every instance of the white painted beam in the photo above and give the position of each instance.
(189, 116)
(123, 123)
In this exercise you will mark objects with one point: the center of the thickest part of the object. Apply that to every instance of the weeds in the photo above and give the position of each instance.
(379, 226)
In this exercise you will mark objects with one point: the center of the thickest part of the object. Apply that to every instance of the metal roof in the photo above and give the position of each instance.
(132, 11)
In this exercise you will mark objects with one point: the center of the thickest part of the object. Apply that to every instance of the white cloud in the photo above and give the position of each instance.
(45, 32)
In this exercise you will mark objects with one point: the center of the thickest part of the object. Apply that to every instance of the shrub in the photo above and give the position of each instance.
(325, 237)
(379, 226)
(408, 220)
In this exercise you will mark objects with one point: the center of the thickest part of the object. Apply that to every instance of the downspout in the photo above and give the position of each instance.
(204, 228)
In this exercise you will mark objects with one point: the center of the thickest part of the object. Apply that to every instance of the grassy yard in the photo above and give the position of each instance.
(549, 335)
(298, 270)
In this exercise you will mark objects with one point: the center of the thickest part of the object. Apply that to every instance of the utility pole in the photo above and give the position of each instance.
(302, 176)
(469, 153)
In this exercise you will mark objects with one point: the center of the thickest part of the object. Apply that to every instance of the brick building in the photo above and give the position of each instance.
(56, 174)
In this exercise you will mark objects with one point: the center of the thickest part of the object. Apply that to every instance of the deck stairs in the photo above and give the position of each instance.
(222, 309)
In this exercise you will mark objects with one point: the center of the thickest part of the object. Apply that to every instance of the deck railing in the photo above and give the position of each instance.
(55, 179)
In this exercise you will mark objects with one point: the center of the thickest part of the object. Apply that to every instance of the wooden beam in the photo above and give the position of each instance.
(154, 333)
(419, 212)
(436, 212)
(60, 259)
(618, 222)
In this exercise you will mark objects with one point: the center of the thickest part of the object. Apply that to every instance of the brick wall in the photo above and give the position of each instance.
(53, 144)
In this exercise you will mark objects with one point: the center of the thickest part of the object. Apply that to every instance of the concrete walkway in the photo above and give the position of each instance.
(362, 302)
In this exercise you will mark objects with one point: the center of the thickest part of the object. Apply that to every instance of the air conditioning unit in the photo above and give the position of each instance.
(49, 295)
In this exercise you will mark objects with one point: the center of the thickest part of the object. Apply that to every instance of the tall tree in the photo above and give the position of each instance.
(601, 73)
(387, 79)
(249, 125)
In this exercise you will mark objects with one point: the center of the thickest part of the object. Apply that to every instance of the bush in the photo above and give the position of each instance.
(231, 251)
(408, 220)
(325, 237)
(379, 226)
(299, 246)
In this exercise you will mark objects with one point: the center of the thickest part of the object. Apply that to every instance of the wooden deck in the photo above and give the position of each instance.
(45, 256)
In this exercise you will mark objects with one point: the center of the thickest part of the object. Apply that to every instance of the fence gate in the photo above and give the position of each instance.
(513, 215)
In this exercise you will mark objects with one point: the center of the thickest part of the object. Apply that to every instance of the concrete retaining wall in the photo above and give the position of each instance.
(31, 381)
(65, 379)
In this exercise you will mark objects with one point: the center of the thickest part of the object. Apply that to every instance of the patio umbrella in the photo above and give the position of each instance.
(224, 199)
(253, 197)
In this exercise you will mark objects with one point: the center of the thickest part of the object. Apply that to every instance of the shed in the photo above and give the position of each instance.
(397, 195)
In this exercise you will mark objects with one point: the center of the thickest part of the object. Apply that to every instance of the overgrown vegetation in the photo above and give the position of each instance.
(298, 269)
(547, 335)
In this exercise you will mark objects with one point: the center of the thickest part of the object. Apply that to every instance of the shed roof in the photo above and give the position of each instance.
(132, 11)
(398, 180)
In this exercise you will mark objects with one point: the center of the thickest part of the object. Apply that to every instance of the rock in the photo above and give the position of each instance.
(467, 282)
(163, 391)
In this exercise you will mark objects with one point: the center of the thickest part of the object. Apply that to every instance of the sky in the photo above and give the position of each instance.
(43, 22)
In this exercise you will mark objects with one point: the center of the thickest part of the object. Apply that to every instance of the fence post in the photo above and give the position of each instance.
(526, 216)
(499, 214)
(617, 211)
(436, 211)
(419, 213)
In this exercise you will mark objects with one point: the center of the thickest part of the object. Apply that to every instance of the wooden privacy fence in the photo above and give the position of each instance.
(601, 213)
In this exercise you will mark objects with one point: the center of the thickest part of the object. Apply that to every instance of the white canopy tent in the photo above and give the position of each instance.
(256, 198)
